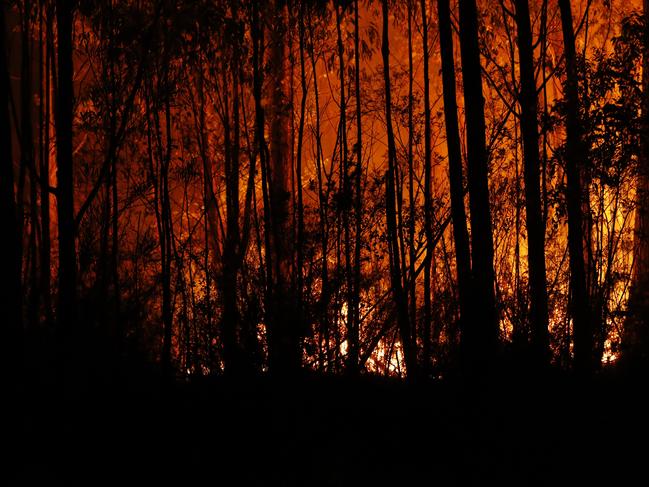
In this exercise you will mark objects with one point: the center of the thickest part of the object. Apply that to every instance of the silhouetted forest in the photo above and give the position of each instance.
(325, 242)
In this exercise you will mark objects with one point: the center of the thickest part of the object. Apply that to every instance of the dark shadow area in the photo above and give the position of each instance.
(338, 432)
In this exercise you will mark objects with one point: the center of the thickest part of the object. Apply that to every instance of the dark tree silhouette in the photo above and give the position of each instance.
(67, 298)
(428, 217)
(583, 334)
(535, 226)
(284, 354)
(460, 233)
(481, 335)
(45, 22)
(636, 333)
(358, 198)
(400, 296)
(272, 256)
(10, 266)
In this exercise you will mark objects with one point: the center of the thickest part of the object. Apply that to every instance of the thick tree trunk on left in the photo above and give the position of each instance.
(9, 263)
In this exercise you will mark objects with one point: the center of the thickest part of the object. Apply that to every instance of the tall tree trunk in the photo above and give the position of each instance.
(575, 150)
(11, 297)
(481, 339)
(210, 201)
(535, 227)
(412, 281)
(346, 199)
(358, 201)
(67, 302)
(117, 329)
(636, 332)
(27, 157)
(299, 285)
(165, 235)
(400, 297)
(325, 358)
(458, 212)
(45, 168)
(284, 354)
(257, 34)
(159, 174)
(232, 256)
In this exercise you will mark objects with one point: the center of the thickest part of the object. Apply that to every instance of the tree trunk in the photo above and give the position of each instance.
(323, 336)
(298, 170)
(458, 212)
(257, 35)
(159, 174)
(284, 354)
(412, 281)
(358, 201)
(400, 297)
(535, 228)
(45, 170)
(346, 198)
(481, 339)
(232, 251)
(9, 264)
(228, 282)
(67, 302)
(636, 332)
(166, 242)
(575, 150)
(27, 160)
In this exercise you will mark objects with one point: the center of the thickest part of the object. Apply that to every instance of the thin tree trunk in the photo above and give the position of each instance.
(412, 282)
(323, 337)
(118, 331)
(167, 305)
(67, 302)
(45, 172)
(458, 212)
(211, 204)
(27, 159)
(428, 175)
(159, 174)
(284, 352)
(636, 330)
(228, 281)
(535, 228)
(299, 247)
(232, 247)
(582, 333)
(257, 34)
(358, 201)
(400, 297)
(346, 199)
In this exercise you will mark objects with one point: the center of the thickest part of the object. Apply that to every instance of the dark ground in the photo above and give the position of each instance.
(319, 431)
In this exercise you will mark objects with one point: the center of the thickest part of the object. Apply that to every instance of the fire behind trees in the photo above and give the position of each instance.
(226, 194)
(410, 189)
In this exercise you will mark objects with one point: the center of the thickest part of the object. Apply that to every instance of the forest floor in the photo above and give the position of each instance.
(327, 431)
